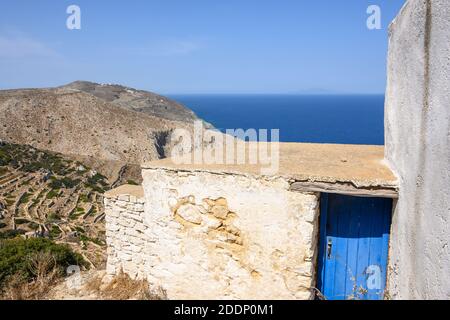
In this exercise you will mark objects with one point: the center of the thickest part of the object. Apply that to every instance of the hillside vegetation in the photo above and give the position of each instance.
(43, 194)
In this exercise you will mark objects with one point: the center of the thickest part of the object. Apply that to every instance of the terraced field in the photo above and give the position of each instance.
(43, 194)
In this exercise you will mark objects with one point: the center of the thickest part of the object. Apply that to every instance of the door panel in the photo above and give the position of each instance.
(353, 250)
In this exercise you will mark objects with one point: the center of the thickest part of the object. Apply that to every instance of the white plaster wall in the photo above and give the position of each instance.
(216, 236)
(418, 149)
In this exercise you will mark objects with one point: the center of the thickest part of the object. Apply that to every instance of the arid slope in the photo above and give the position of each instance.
(75, 122)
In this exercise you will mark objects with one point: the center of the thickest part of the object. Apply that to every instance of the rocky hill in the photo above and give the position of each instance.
(136, 100)
(108, 122)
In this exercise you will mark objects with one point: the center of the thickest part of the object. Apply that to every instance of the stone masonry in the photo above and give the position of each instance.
(203, 235)
(125, 232)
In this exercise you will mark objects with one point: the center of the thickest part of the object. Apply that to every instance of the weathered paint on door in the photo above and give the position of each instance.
(353, 252)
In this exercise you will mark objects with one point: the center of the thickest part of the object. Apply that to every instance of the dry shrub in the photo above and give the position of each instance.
(94, 285)
(16, 288)
(45, 272)
(122, 287)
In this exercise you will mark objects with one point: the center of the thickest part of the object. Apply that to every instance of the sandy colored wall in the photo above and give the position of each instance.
(216, 236)
(418, 149)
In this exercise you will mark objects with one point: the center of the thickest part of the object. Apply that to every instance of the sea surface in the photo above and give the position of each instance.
(352, 119)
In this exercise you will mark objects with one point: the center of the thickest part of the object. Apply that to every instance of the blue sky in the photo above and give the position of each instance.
(198, 46)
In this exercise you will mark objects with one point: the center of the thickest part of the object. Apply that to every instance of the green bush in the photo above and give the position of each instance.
(55, 232)
(74, 216)
(25, 198)
(15, 255)
(9, 234)
(80, 230)
(51, 194)
(64, 183)
(86, 239)
(55, 184)
(52, 217)
(21, 221)
(97, 183)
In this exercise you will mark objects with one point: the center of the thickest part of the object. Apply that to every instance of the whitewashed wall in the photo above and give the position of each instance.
(216, 236)
(418, 149)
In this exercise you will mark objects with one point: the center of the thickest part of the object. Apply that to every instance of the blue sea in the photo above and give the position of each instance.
(352, 119)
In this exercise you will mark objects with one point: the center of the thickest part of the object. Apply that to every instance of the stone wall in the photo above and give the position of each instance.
(216, 236)
(125, 232)
(418, 149)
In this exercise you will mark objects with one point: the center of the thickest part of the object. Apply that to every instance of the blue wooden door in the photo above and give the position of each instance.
(353, 252)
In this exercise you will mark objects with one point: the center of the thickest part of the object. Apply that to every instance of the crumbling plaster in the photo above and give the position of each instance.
(216, 236)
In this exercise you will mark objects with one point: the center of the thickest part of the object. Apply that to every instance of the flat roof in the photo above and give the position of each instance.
(362, 166)
(126, 189)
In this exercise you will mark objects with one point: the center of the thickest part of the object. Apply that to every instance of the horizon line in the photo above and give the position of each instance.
(162, 92)
(276, 93)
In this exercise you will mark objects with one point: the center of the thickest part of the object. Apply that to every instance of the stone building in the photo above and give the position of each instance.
(340, 221)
